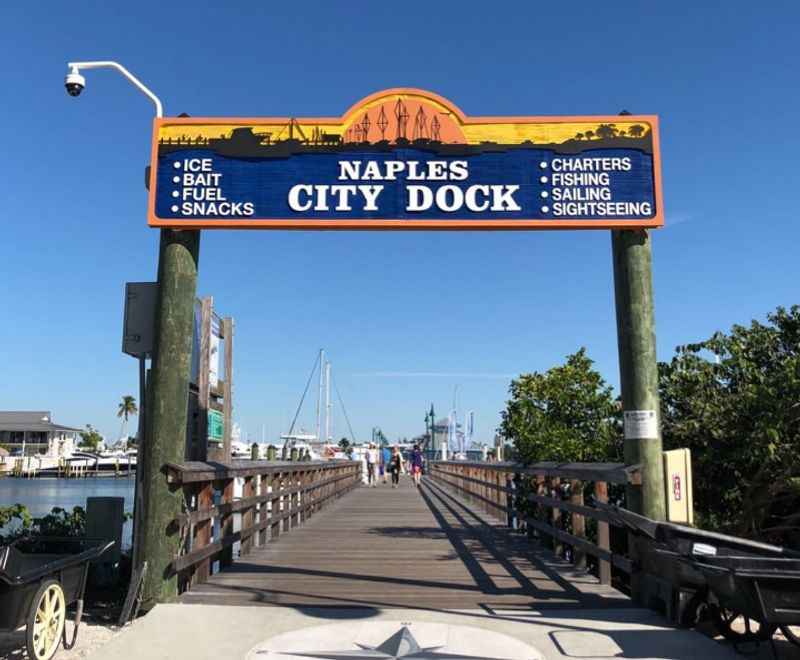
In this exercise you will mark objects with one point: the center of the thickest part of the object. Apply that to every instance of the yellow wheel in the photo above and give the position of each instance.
(46, 621)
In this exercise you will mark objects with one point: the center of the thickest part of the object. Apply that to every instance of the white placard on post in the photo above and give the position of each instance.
(641, 424)
(213, 366)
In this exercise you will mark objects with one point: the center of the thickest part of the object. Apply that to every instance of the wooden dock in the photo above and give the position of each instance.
(406, 547)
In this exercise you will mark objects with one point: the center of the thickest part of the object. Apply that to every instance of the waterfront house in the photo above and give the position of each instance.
(33, 432)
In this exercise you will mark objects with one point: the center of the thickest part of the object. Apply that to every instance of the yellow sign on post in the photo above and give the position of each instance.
(678, 483)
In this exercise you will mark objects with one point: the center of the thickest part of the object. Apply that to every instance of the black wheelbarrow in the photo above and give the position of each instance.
(39, 578)
(762, 589)
(750, 588)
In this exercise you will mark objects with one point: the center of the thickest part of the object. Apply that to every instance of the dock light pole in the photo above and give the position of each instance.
(168, 391)
(428, 428)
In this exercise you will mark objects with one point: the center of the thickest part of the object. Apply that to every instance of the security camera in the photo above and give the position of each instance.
(74, 82)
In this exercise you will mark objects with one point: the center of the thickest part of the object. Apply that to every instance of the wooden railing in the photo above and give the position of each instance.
(275, 498)
(534, 498)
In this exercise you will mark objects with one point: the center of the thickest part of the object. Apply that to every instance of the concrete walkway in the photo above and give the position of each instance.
(215, 632)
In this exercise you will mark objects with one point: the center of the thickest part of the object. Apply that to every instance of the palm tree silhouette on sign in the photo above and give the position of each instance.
(605, 131)
(126, 408)
(636, 131)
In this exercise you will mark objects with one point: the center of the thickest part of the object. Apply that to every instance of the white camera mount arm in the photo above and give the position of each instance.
(75, 67)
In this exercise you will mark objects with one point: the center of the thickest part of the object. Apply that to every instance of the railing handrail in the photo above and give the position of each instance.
(276, 497)
(613, 473)
(194, 471)
(498, 487)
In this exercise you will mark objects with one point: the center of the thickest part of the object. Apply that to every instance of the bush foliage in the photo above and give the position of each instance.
(567, 413)
(16, 521)
(733, 400)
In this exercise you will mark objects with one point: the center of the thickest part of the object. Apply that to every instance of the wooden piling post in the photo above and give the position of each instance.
(198, 450)
(248, 516)
(633, 293)
(166, 419)
(555, 514)
(603, 536)
(202, 532)
(227, 331)
(226, 522)
(286, 500)
(275, 508)
(578, 522)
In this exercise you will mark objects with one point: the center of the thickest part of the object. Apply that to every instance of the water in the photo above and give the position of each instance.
(41, 495)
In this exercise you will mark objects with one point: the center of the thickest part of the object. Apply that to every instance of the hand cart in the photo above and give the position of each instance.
(39, 578)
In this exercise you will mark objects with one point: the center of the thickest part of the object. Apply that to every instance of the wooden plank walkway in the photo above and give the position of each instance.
(406, 547)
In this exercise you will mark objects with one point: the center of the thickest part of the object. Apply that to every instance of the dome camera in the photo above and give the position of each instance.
(74, 82)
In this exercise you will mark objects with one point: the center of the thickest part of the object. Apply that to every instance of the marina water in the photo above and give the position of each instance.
(41, 495)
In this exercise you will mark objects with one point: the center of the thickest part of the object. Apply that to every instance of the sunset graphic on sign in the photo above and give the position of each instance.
(409, 114)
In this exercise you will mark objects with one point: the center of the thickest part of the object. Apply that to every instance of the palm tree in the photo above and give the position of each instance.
(126, 408)
(579, 136)
(589, 135)
(636, 130)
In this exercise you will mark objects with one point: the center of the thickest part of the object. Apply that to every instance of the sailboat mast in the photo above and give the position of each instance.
(319, 394)
(327, 401)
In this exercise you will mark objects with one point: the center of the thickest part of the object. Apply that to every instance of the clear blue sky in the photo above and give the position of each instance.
(405, 316)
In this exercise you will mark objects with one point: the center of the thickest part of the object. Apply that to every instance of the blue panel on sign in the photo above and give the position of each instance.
(602, 184)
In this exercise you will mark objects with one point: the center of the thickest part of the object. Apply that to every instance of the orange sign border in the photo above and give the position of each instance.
(417, 224)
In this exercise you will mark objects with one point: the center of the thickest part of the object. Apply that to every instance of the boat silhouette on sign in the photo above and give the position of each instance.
(367, 135)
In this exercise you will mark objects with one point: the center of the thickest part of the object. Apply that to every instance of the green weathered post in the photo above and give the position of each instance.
(633, 292)
(293, 454)
(166, 417)
(254, 452)
(271, 453)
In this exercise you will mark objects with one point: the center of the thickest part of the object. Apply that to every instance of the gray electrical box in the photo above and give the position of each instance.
(138, 327)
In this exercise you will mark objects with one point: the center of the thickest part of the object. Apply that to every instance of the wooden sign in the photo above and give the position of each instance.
(406, 159)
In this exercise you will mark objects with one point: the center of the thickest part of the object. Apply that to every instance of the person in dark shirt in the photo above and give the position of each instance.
(386, 459)
(396, 466)
(416, 464)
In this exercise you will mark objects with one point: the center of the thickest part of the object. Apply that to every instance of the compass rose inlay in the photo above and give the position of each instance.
(419, 641)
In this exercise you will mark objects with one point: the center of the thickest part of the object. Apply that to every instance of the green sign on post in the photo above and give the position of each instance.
(216, 425)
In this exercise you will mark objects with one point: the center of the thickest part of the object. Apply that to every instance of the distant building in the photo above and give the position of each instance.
(33, 432)
(440, 433)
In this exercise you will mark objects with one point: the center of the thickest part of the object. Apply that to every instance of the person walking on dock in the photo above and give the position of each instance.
(416, 464)
(372, 461)
(395, 466)
(386, 459)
